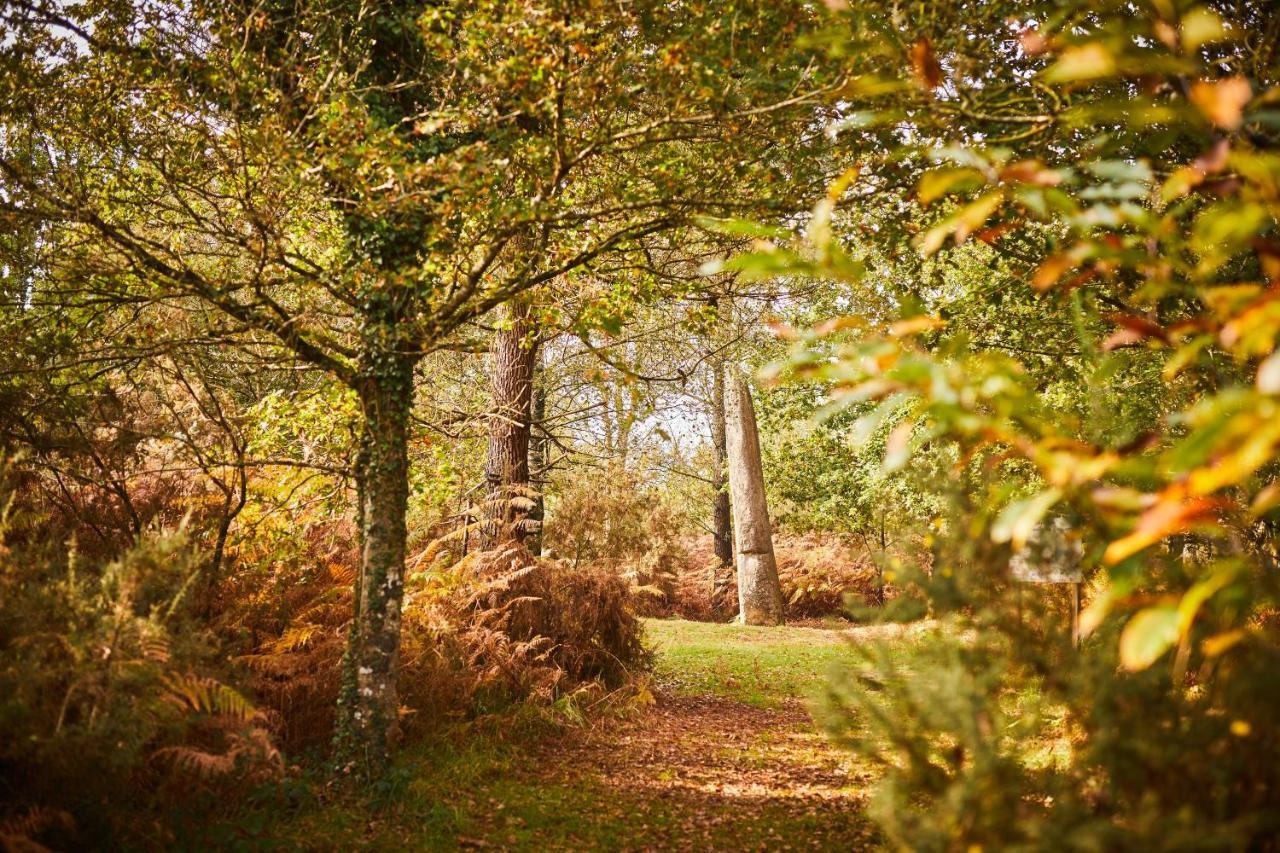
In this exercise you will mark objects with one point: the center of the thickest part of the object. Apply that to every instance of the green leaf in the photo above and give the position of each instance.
(1121, 170)
(1019, 519)
(1223, 230)
(1147, 636)
(743, 228)
(1202, 591)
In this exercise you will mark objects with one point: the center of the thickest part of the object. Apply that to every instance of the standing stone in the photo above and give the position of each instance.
(759, 593)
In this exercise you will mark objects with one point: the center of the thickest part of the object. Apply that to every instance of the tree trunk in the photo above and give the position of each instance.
(722, 535)
(538, 458)
(759, 593)
(507, 468)
(368, 704)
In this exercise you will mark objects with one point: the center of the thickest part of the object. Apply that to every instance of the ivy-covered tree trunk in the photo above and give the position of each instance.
(369, 703)
(759, 592)
(722, 531)
(507, 468)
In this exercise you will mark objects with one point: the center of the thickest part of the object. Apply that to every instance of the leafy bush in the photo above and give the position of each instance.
(1002, 735)
(613, 520)
(503, 626)
(1104, 353)
(111, 692)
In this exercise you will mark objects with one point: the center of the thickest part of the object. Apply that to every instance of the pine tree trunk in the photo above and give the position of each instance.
(538, 458)
(369, 704)
(507, 468)
(759, 592)
(722, 535)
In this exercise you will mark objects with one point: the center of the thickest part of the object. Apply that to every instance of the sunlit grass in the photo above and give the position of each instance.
(758, 665)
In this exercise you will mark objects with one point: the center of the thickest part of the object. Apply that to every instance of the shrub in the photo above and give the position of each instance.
(1001, 735)
(110, 691)
(818, 574)
(496, 628)
(503, 626)
(612, 519)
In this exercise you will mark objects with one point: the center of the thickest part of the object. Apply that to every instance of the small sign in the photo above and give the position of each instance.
(1052, 555)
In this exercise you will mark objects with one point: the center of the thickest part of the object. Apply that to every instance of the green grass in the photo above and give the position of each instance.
(759, 666)
(483, 783)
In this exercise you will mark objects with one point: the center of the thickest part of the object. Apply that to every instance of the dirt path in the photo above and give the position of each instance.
(723, 756)
(726, 758)
(712, 773)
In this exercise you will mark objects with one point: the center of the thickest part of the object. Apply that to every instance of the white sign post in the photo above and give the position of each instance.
(1052, 555)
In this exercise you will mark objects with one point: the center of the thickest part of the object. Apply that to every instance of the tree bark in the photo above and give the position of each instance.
(759, 592)
(537, 459)
(368, 705)
(722, 535)
(507, 469)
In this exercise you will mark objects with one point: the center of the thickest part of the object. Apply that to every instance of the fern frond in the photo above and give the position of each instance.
(155, 648)
(18, 832)
(197, 761)
(208, 696)
(295, 637)
(340, 574)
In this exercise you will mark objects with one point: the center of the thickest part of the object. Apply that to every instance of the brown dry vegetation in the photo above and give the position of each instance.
(819, 573)
(495, 628)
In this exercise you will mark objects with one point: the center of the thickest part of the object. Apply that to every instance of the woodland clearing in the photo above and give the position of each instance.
(384, 383)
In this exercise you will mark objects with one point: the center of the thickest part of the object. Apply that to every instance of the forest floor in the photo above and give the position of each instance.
(722, 753)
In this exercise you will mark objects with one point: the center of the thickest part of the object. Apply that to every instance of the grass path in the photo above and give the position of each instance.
(723, 755)
(728, 757)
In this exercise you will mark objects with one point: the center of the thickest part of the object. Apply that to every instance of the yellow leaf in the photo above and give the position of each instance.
(1219, 643)
(1201, 592)
(1171, 514)
(1184, 356)
(1091, 61)
(1098, 608)
(1048, 273)
(1257, 449)
(962, 223)
(915, 325)
(1265, 500)
(937, 183)
(1201, 26)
